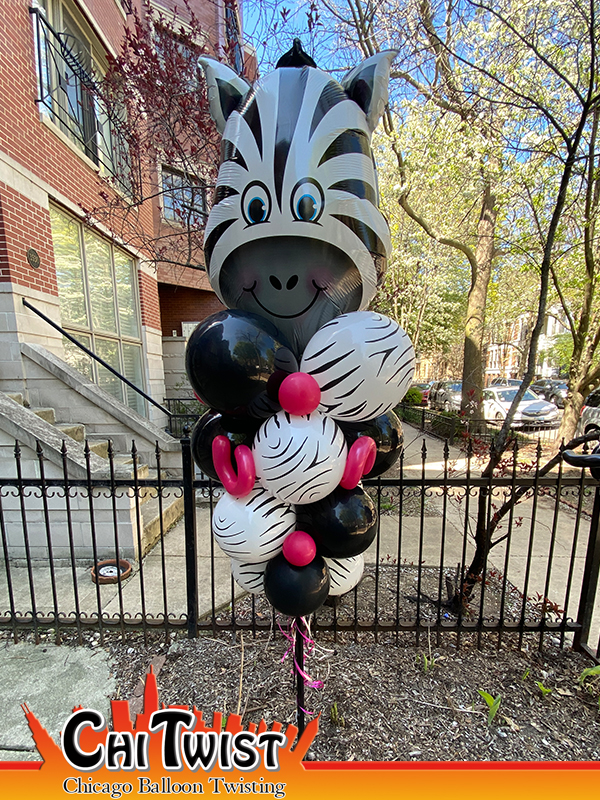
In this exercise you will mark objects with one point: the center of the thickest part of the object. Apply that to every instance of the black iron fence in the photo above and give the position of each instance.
(129, 546)
(452, 426)
(183, 413)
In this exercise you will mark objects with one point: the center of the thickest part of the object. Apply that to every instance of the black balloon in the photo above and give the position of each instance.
(239, 430)
(386, 432)
(296, 591)
(229, 359)
(343, 524)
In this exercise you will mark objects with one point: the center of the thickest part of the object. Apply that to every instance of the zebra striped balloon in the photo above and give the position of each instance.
(252, 528)
(250, 577)
(299, 459)
(364, 364)
(344, 573)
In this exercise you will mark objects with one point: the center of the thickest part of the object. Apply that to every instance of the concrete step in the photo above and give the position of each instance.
(100, 448)
(18, 398)
(73, 431)
(143, 470)
(121, 442)
(172, 511)
(47, 414)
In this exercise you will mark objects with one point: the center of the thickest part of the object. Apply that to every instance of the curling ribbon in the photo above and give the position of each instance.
(291, 637)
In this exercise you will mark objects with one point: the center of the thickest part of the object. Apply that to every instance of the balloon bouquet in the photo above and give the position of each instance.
(300, 380)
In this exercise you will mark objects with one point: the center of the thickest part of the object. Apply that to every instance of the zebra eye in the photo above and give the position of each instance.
(307, 201)
(256, 203)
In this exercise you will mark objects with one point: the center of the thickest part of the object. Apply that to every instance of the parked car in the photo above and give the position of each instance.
(447, 396)
(433, 390)
(589, 421)
(552, 390)
(505, 382)
(530, 411)
(424, 389)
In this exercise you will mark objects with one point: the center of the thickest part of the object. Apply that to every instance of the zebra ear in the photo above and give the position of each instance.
(226, 90)
(367, 85)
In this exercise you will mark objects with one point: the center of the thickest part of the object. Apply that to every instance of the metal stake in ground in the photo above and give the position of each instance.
(299, 670)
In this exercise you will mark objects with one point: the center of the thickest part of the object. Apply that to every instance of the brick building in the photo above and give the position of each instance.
(508, 346)
(55, 146)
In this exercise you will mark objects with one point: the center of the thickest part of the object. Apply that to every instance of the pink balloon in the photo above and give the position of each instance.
(241, 484)
(361, 458)
(299, 548)
(299, 394)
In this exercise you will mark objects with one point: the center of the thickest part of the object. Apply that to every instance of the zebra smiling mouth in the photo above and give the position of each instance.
(297, 282)
(319, 289)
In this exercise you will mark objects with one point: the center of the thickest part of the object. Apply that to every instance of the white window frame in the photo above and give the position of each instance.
(90, 332)
(201, 184)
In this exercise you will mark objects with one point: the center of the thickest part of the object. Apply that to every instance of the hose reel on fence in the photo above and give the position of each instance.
(591, 570)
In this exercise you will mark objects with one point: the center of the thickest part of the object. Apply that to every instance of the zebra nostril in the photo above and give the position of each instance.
(275, 282)
(292, 282)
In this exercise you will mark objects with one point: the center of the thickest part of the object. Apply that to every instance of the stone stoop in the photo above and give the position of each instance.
(52, 382)
(172, 512)
(172, 506)
(72, 431)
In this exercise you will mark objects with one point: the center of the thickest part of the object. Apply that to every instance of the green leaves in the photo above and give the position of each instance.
(593, 685)
(588, 673)
(493, 704)
(543, 689)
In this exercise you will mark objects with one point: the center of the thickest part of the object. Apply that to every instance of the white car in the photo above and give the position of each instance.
(530, 411)
(589, 421)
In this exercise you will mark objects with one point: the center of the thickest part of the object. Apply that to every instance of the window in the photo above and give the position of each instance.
(232, 35)
(68, 63)
(184, 198)
(98, 298)
(178, 53)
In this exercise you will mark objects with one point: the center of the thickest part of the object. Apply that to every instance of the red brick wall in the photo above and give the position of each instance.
(183, 276)
(30, 142)
(23, 224)
(106, 14)
(180, 304)
(207, 12)
(149, 302)
(23, 135)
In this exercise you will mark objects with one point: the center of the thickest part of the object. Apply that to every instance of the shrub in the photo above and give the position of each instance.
(414, 397)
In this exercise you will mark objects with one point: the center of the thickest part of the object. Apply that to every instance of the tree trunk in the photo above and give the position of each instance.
(570, 417)
(472, 377)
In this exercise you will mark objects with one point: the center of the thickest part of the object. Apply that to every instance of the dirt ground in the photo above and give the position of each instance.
(385, 701)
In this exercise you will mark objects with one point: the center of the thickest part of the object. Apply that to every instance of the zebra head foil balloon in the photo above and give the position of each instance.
(295, 234)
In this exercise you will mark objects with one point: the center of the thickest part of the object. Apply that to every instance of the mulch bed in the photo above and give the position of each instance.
(382, 701)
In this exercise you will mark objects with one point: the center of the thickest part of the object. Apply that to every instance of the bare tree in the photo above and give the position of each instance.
(164, 148)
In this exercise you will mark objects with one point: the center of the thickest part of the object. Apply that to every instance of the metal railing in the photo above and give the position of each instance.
(184, 412)
(97, 358)
(539, 578)
(68, 93)
(452, 426)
